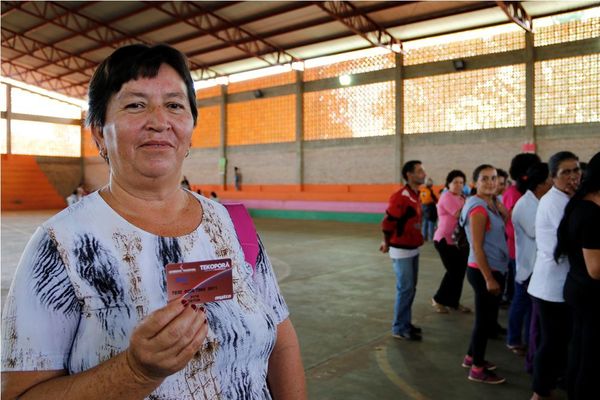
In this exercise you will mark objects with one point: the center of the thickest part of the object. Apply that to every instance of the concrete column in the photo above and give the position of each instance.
(82, 147)
(223, 133)
(399, 109)
(530, 135)
(8, 119)
(299, 91)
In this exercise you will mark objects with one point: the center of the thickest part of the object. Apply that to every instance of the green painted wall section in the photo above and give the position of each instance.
(317, 215)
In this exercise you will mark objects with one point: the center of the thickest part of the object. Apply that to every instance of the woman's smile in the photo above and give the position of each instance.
(156, 145)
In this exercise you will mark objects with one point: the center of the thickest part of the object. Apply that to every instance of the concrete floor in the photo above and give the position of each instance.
(340, 291)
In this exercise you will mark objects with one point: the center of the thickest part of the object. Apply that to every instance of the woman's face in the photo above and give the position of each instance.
(568, 176)
(148, 127)
(487, 182)
(456, 185)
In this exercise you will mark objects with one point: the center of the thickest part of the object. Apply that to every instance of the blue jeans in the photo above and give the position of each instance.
(519, 316)
(407, 271)
(427, 229)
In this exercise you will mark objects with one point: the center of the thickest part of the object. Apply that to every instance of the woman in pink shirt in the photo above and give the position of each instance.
(453, 258)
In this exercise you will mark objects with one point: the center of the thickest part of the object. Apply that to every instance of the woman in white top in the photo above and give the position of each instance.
(536, 183)
(548, 276)
(87, 315)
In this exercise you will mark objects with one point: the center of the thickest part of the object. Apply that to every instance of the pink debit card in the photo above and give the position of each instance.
(200, 281)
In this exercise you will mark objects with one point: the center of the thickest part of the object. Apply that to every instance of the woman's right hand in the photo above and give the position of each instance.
(492, 286)
(166, 340)
(383, 247)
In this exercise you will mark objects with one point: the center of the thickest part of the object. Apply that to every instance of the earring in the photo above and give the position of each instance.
(187, 154)
(103, 154)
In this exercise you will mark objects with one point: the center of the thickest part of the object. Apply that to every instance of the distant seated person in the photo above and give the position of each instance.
(185, 183)
(76, 195)
(72, 198)
(214, 197)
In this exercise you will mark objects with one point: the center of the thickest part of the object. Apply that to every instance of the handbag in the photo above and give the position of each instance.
(246, 232)
(459, 236)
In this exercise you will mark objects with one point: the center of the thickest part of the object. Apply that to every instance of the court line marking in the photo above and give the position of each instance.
(384, 364)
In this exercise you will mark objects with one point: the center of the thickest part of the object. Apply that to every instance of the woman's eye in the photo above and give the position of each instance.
(134, 106)
(176, 106)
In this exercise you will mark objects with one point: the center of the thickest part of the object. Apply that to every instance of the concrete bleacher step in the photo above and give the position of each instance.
(25, 186)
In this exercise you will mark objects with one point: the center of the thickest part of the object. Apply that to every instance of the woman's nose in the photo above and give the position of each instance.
(157, 119)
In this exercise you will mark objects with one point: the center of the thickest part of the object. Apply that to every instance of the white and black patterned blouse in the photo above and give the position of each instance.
(87, 277)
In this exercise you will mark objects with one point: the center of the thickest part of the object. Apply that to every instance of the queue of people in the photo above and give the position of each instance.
(541, 226)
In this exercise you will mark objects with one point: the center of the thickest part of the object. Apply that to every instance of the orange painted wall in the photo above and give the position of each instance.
(269, 120)
(207, 130)
(89, 146)
(25, 186)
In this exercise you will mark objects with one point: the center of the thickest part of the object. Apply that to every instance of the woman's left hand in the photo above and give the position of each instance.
(502, 210)
(492, 286)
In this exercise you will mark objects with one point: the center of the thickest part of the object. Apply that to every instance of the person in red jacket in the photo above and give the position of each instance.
(402, 238)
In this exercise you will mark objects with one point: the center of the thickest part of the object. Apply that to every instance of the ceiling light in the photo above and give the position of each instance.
(298, 66)
(345, 80)
(397, 48)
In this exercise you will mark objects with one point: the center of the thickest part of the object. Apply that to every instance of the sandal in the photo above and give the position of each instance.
(439, 308)
(519, 350)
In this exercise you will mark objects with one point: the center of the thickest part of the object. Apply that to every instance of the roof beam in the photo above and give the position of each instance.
(86, 27)
(224, 30)
(302, 25)
(46, 21)
(390, 24)
(103, 35)
(10, 70)
(9, 7)
(361, 24)
(46, 53)
(248, 20)
(515, 11)
(139, 34)
(75, 22)
(171, 22)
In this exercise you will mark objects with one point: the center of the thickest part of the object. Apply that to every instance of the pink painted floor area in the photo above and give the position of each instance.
(334, 206)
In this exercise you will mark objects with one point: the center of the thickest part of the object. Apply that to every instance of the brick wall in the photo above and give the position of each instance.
(361, 160)
(263, 164)
(202, 166)
(96, 173)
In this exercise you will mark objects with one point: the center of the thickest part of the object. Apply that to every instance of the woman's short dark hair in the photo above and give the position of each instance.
(409, 166)
(518, 168)
(478, 170)
(536, 175)
(556, 159)
(455, 173)
(130, 63)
